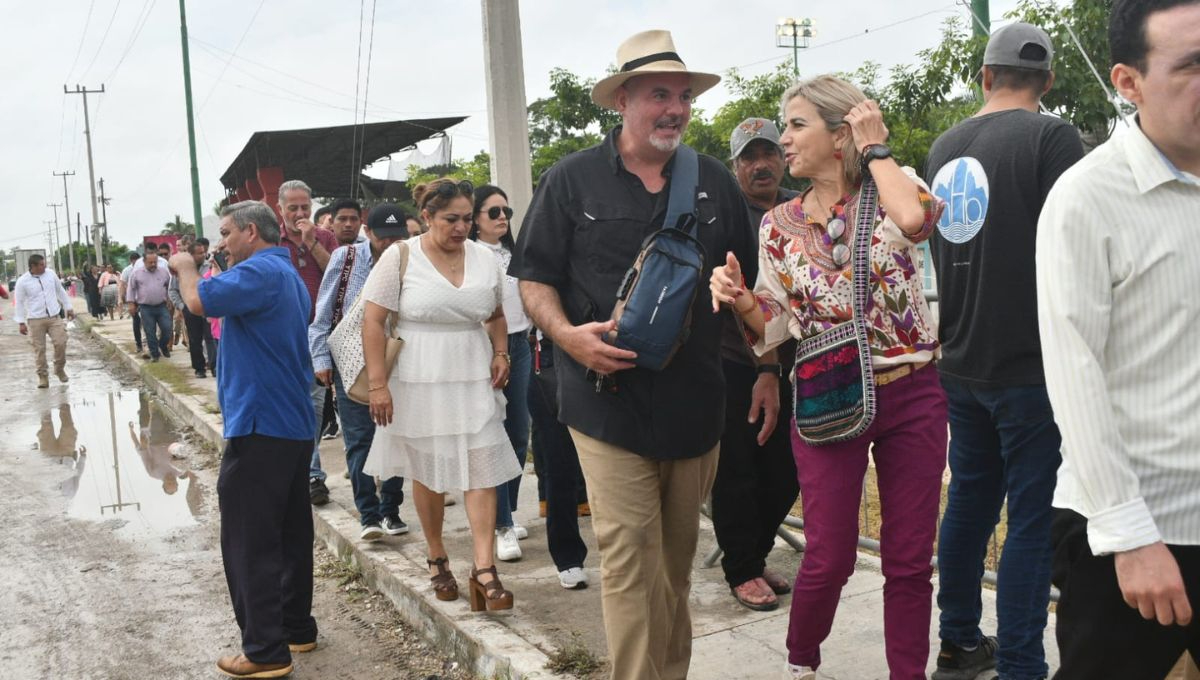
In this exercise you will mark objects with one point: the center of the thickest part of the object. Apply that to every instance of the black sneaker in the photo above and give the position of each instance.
(331, 431)
(394, 525)
(201, 374)
(318, 493)
(956, 663)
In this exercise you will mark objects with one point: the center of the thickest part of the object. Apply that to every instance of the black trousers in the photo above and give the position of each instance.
(200, 340)
(267, 543)
(1099, 636)
(137, 330)
(756, 485)
(560, 466)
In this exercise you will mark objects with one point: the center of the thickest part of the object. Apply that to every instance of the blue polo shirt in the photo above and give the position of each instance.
(264, 369)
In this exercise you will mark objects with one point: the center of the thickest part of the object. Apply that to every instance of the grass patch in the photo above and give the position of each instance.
(211, 408)
(574, 657)
(348, 576)
(171, 376)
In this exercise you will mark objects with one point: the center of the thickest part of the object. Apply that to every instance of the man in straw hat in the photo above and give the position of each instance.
(647, 440)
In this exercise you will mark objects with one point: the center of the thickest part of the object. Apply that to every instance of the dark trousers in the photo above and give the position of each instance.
(756, 485)
(200, 341)
(1099, 636)
(358, 431)
(267, 543)
(560, 467)
(137, 330)
(156, 321)
(1003, 445)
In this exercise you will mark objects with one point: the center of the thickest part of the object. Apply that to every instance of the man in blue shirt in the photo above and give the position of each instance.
(265, 372)
(347, 271)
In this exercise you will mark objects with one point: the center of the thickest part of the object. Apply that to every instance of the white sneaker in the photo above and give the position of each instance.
(371, 532)
(507, 548)
(521, 532)
(574, 578)
(794, 672)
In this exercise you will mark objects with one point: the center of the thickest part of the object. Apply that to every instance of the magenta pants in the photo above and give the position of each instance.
(909, 437)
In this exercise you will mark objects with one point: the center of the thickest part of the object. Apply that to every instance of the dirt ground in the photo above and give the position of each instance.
(112, 563)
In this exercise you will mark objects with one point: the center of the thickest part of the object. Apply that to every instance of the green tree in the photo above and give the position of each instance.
(178, 226)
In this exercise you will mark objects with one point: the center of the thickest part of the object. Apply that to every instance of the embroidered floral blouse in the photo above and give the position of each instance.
(802, 292)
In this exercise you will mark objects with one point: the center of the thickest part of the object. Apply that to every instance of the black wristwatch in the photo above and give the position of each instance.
(873, 152)
(773, 369)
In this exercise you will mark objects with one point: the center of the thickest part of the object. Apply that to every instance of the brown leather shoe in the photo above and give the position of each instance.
(241, 667)
(301, 647)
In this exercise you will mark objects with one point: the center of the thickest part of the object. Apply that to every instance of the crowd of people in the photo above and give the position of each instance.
(1054, 379)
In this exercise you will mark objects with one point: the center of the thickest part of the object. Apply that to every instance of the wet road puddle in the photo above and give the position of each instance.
(122, 460)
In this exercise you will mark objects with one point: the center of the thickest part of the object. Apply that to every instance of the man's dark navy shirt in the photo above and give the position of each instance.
(264, 369)
(584, 229)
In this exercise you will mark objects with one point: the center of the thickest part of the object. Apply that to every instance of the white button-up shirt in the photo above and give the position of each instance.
(39, 297)
(1118, 278)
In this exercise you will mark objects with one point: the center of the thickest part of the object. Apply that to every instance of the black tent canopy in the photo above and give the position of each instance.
(324, 158)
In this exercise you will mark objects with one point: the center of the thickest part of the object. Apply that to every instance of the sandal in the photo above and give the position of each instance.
(743, 592)
(778, 584)
(491, 595)
(444, 585)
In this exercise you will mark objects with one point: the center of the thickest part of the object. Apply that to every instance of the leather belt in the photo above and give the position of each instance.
(895, 374)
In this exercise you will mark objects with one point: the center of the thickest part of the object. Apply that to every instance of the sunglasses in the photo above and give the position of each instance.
(493, 212)
(453, 189)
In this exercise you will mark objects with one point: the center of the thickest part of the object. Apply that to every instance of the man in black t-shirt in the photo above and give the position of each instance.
(647, 440)
(994, 171)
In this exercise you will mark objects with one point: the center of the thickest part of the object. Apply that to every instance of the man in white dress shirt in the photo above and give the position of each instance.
(40, 299)
(1118, 278)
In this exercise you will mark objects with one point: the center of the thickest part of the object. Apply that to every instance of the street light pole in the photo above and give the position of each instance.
(799, 31)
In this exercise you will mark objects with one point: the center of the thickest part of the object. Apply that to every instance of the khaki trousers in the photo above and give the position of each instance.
(646, 515)
(57, 330)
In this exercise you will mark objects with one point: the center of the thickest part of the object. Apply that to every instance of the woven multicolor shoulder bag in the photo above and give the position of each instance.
(834, 385)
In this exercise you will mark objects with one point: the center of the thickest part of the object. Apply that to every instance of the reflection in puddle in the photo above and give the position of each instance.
(122, 452)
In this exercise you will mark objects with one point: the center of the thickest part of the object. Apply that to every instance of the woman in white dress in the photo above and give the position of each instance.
(440, 413)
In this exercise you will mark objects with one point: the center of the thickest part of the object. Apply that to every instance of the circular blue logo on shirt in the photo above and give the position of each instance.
(963, 185)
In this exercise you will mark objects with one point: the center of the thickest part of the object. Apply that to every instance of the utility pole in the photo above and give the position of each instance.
(56, 206)
(104, 209)
(86, 234)
(66, 211)
(53, 249)
(508, 118)
(191, 125)
(87, 132)
(982, 21)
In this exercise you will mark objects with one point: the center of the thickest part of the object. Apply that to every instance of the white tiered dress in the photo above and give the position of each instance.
(447, 428)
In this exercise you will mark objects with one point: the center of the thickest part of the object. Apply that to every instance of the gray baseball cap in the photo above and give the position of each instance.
(749, 130)
(1021, 45)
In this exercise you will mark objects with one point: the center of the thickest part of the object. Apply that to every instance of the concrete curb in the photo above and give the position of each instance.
(478, 641)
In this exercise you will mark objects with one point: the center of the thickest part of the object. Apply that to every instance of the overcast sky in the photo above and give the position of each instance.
(274, 65)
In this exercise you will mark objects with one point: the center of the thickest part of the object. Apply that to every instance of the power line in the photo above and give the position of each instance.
(362, 4)
(103, 39)
(143, 18)
(356, 159)
(86, 22)
(232, 54)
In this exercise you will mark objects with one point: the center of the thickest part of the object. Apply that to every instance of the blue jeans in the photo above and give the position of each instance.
(1003, 441)
(156, 322)
(516, 422)
(358, 430)
(317, 391)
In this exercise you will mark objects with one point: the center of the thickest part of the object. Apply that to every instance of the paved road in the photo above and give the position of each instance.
(112, 562)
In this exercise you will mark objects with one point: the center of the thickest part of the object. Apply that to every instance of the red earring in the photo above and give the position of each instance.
(837, 154)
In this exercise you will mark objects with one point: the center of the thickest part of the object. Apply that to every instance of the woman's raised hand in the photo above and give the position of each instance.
(726, 284)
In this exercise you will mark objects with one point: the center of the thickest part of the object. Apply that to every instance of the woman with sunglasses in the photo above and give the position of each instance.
(492, 229)
(832, 134)
(445, 430)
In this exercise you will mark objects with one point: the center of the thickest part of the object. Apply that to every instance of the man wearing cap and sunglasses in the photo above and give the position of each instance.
(647, 440)
(756, 484)
(994, 170)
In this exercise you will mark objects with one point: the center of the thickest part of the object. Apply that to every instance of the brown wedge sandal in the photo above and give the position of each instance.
(491, 595)
(444, 585)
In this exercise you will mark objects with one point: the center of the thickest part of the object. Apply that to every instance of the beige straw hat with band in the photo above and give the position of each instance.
(642, 54)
